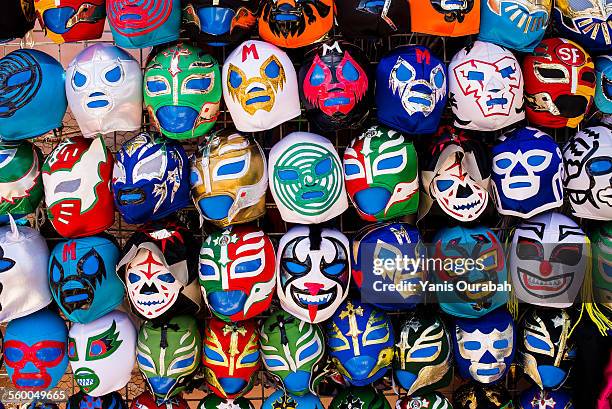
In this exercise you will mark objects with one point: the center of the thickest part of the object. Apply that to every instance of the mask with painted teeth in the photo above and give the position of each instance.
(603, 86)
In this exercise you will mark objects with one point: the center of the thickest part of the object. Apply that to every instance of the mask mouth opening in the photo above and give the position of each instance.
(176, 119)
(215, 20)
(321, 299)
(571, 106)
(56, 19)
(131, 196)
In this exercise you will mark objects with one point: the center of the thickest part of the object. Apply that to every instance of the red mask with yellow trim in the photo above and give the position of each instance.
(67, 21)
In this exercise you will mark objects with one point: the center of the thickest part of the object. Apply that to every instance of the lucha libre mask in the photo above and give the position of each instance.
(306, 181)
(475, 285)
(260, 86)
(381, 174)
(360, 342)
(237, 275)
(32, 95)
(422, 361)
(588, 172)
(559, 83)
(229, 178)
(168, 354)
(603, 87)
(411, 91)
(182, 91)
(291, 350)
(432, 400)
(384, 241)
(293, 24)
(71, 20)
(150, 178)
(477, 395)
(102, 354)
(81, 400)
(159, 265)
(76, 177)
(484, 347)
(281, 399)
(35, 350)
(372, 19)
(83, 280)
(146, 400)
(548, 260)
(485, 88)
(230, 357)
(536, 398)
(359, 397)
(589, 23)
(219, 22)
(602, 265)
(17, 19)
(212, 401)
(104, 90)
(457, 177)
(141, 24)
(21, 189)
(527, 173)
(334, 85)
(545, 350)
(313, 272)
(446, 18)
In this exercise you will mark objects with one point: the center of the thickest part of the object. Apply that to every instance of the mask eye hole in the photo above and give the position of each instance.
(403, 73)
(391, 162)
(317, 77)
(113, 75)
(536, 160)
(144, 362)
(501, 344)
(90, 264)
(235, 79)
(528, 249)
(349, 72)
(599, 166)
(334, 269)
(551, 73)
(72, 351)
(504, 163)
(68, 186)
(287, 175)
(78, 79)
(13, 354)
(248, 266)
(507, 72)
(295, 268)
(198, 84)
(272, 70)
(425, 352)
(471, 345)
(251, 358)
(18, 78)
(443, 184)
(351, 169)
(536, 343)
(568, 254)
(588, 77)
(475, 76)
(167, 278)
(212, 355)
(323, 167)
(438, 78)
(56, 271)
(133, 278)
(157, 85)
(183, 363)
(231, 168)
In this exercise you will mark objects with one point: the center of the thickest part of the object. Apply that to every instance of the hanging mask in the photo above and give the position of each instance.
(212, 401)
(602, 265)
(360, 342)
(306, 179)
(146, 400)
(83, 279)
(32, 95)
(35, 350)
(548, 260)
(260, 86)
(477, 287)
(603, 87)
(150, 178)
(476, 395)
(432, 400)
(559, 83)
(334, 85)
(81, 400)
(17, 19)
(168, 354)
(282, 400)
(76, 177)
(182, 91)
(158, 265)
(544, 349)
(372, 19)
(141, 24)
(457, 177)
(21, 189)
(230, 357)
(536, 398)
(229, 178)
(313, 272)
(68, 21)
(589, 23)
(411, 91)
(445, 18)
(387, 241)
(291, 350)
(527, 173)
(38, 404)
(588, 172)
(219, 22)
(359, 397)
(423, 359)
(485, 87)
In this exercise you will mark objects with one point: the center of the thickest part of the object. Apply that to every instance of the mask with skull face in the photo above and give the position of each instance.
(603, 87)
(71, 20)
(434, 400)
(559, 83)
(313, 272)
(587, 22)
(21, 188)
(17, 19)
(372, 19)
(527, 173)
(485, 87)
(588, 172)
(411, 91)
(81, 400)
(448, 18)
(477, 395)
(536, 398)
(602, 265)
(359, 397)
(260, 86)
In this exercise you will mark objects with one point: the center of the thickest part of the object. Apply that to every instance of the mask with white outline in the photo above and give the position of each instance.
(589, 22)
(21, 188)
(603, 85)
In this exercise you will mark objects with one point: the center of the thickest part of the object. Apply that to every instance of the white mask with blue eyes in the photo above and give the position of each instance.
(104, 90)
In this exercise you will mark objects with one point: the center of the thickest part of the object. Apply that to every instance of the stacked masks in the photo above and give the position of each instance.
(18, 18)
(357, 18)
(71, 20)
(603, 87)
(588, 23)
(445, 18)
(21, 188)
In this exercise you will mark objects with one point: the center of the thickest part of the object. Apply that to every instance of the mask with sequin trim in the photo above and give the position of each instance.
(372, 19)
(589, 22)
(603, 86)
(359, 397)
(68, 21)
(21, 189)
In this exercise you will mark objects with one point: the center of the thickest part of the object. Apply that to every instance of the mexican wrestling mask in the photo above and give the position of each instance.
(17, 19)
(230, 357)
(359, 397)
(559, 83)
(32, 95)
(475, 285)
(589, 23)
(445, 18)
(588, 172)
(372, 19)
(313, 272)
(76, 177)
(527, 173)
(423, 354)
(306, 181)
(150, 178)
(212, 401)
(81, 400)
(334, 85)
(168, 354)
(182, 91)
(485, 87)
(35, 350)
(281, 399)
(237, 275)
(146, 400)
(83, 278)
(536, 398)
(360, 342)
(411, 89)
(260, 87)
(434, 400)
(21, 189)
(229, 178)
(68, 21)
(477, 395)
(291, 350)
(603, 87)
(602, 265)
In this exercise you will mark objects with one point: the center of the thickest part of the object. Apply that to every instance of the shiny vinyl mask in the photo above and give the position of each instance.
(71, 20)
(21, 189)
